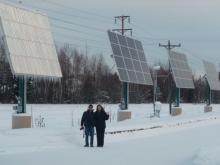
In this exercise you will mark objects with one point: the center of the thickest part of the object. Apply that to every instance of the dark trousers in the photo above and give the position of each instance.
(89, 131)
(100, 133)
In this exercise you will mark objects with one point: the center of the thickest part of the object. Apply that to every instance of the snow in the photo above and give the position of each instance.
(191, 138)
(207, 156)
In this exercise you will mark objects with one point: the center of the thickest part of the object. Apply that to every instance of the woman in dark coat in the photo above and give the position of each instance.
(100, 117)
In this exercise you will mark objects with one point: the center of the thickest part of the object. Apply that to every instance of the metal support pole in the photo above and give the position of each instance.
(22, 93)
(154, 86)
(170, 87)
(177, 97)
(125, 94)
(209, 99)
(155, 89)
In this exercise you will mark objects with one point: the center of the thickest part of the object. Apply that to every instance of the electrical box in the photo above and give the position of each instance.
(158, 108)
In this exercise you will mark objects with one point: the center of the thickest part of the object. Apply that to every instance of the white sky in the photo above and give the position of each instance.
(193, 23)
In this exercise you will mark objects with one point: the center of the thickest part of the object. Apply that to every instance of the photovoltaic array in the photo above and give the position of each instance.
(212, 75)
(181, 71)
(130, 59)
(28, 42)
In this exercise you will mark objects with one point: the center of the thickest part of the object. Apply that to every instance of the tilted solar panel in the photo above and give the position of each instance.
(28, 42)
(130, 59)
(181, 71)
(212, 75)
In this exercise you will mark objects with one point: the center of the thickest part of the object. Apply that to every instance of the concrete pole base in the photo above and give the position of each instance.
(123, 115)
(207, 108)
(175, 111)
(21, 121)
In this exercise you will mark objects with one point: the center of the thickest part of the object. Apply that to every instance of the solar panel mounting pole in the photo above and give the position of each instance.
(125, 85)
(22, 94)
(209, 94)
(169, 47)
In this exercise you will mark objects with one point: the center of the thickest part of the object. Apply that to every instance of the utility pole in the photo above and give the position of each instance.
(123, 30)
(169, 47)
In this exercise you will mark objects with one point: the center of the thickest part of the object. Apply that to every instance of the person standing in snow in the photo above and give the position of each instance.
(100, 117)
(87, 123)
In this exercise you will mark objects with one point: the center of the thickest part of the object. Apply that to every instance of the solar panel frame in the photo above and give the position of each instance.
(136, 69)
(28, 42)
(212, 75)
(181, 71)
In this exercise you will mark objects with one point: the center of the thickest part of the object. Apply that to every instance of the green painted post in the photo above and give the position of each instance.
(22, 93)
(125, 94)
(209, 99)
(177, 97)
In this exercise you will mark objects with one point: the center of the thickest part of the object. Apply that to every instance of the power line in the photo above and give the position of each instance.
(92, 45)
(76, 37)
(74, 30)
(67, 7)
(78, 45)
(105, 17)
(67, 14)
(73, 8)
(197, 56)
(73, 23)
(85, 33)
(147, 38)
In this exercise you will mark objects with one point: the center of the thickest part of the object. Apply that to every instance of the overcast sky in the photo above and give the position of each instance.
(193, 23)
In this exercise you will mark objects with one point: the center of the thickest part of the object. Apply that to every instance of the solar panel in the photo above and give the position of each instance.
(28, 42)
(130, 59)
(181, 71)
(212, 75)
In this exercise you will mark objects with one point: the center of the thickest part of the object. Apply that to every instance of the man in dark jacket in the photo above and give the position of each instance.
(87, 123)
(100, 117)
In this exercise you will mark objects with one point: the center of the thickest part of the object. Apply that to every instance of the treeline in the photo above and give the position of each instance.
(89, 79)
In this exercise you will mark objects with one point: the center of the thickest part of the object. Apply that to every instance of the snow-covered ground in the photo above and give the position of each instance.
(189, 139)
